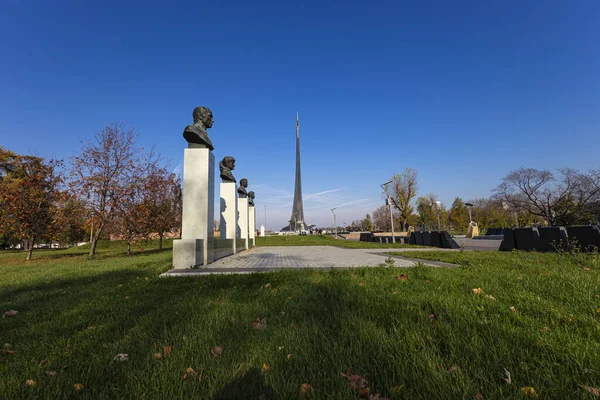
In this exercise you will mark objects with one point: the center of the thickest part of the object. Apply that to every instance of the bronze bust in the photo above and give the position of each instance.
(242, 189)
(251, 198)
(227, 165)
(196, 133)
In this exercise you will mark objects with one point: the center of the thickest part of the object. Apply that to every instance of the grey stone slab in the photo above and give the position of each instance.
(426, 238)
(587, 237)
(527, 239)
(508, 241)
(552, 238)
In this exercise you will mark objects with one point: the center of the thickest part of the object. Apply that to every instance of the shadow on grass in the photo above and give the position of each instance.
(251, 385)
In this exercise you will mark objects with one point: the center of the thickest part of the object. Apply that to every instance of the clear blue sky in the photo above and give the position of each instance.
(462, 91)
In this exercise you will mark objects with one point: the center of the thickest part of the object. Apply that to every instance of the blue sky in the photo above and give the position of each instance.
(462, 91)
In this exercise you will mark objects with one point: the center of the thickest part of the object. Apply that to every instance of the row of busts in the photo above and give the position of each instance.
(226, 165)
(197, 135)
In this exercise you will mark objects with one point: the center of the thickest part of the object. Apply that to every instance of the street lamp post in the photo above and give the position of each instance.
(469, 206)
(265, 216)
(389, 204)
(334, 221)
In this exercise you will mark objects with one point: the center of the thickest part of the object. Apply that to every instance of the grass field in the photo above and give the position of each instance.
(411, 333)
(324, 240)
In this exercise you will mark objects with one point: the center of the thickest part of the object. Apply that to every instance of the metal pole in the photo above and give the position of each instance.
(334, 221)
(391, 221)
(470, 219)
(265, 217)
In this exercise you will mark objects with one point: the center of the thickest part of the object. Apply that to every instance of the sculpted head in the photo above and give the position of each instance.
(251, 194)
(203, 115)
(228, 162)
(244, 182)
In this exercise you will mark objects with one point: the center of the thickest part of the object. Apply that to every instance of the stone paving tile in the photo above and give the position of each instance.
(318, 257)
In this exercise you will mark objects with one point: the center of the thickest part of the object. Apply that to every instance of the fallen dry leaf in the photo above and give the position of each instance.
(30, 383)
(259, 324)
(268, 285)
(8, 349)
(432, 316)
(273, 291)
(395, 292)
(506, 376)
(478, 396)
(477, 291)
(402, 277)
(357, 383)
(591, 389)
(452, 369)
(528, 391)
(289, 356)
(121, 357)
(489, 296)
(10, 313)
(305, 388)
(513, 309)
(77, 387)
(44, 362)
(265, 367)
(397, 389)
(189, 372)
(363, 282)
(282, 313)
(158, 356)
(216, 351)
(233, 319)
(293, 325)
(51, 373)
(587, 269)
(167, 349)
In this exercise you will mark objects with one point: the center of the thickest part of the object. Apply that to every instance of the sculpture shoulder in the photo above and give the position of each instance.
(193, 134)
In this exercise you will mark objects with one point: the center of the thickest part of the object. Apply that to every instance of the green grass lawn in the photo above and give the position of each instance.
(427, 336)
(323, 240)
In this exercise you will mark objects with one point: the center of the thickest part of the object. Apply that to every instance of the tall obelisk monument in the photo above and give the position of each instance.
(297, 219)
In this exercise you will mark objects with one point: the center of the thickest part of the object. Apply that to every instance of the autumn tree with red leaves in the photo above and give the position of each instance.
(28, 188)
(106, 172)
(161, 204)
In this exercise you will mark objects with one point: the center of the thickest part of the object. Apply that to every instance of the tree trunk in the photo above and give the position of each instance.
(30, 252)
(93, 248)
(128, 248)
(160, 237)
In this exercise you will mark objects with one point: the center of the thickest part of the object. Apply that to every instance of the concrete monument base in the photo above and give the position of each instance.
(251, 226)
(242, 232)
(229, 213)
(189, 253)
(223, 248)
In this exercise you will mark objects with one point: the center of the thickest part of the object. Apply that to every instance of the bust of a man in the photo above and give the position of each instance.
(242, 189)
(227, 165)
(251, 198)
(196, 133)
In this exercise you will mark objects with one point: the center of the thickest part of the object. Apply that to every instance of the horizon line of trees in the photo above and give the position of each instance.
(112, 187)
(524, 197)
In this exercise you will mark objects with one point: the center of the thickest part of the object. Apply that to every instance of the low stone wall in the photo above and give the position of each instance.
(549, 239)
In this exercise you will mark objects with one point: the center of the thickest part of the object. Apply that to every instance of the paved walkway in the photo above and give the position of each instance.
(260, 259)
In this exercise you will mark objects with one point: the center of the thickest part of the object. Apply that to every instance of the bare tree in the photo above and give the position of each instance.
(565, 199)
(402, 190)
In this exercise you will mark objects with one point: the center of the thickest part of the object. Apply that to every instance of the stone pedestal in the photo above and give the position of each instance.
(242, 232)
(251, 226)
(196, 246)
(262, 230)
(229, 213)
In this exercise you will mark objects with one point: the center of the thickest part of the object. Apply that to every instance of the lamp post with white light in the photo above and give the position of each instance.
(388, 202)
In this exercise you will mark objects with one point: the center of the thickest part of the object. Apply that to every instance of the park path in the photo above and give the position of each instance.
(261, 259)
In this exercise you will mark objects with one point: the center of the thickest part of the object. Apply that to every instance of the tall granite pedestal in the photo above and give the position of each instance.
(242, 232)
(196, 246)
(251, 227)
(229, 216)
